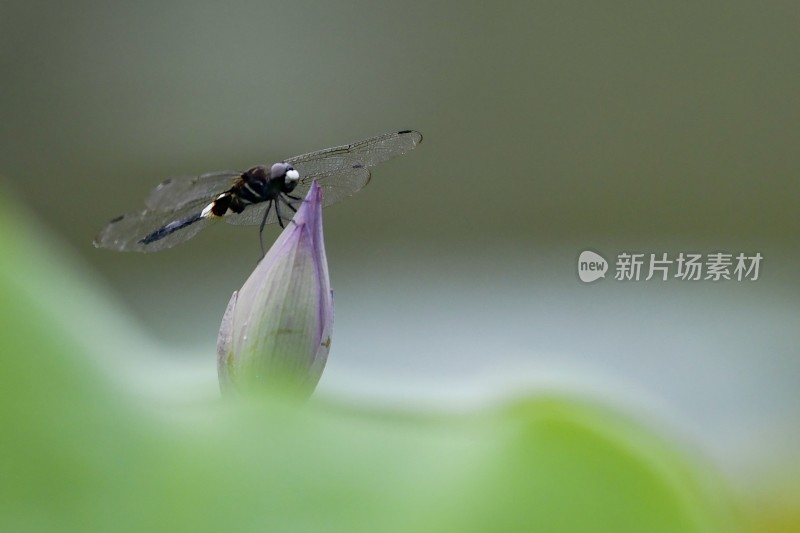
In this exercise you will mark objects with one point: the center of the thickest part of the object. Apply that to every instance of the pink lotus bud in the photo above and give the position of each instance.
(276, 331)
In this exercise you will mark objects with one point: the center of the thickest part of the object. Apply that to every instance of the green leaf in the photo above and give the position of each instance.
(78, 452)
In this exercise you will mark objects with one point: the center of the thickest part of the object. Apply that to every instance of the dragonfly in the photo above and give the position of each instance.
(179, 208)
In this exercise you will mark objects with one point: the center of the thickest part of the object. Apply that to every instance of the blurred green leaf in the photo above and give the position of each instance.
(78, 454)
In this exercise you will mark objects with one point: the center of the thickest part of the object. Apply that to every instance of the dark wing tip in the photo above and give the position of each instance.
(97, 242)
(414, 133)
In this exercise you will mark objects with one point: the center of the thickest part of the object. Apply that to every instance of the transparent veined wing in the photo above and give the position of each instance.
(339, 176)
(174, 193)
(124, 233)
(369, 151)
(254, 214)
(341, 171)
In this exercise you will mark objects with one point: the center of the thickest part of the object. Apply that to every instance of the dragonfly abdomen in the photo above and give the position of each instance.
(225, 203)
(172, 227)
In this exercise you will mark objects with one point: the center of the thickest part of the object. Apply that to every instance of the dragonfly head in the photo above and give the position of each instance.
(286, 173)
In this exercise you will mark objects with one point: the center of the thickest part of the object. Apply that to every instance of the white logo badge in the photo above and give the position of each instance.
(591, 266)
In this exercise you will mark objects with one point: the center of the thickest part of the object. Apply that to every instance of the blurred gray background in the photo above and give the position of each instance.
(550, 128)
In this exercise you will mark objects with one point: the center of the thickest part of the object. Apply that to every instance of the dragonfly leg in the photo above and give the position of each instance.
(261, 228)
(290, 206)
(278, 212)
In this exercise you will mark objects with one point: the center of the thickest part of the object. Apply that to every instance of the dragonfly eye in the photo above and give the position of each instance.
(278, 170)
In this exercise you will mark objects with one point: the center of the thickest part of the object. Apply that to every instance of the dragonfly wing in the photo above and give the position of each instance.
(124, 233)
(340, 171)
(254, 214)
(174, 193)
(339, 177)
(369, 151)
